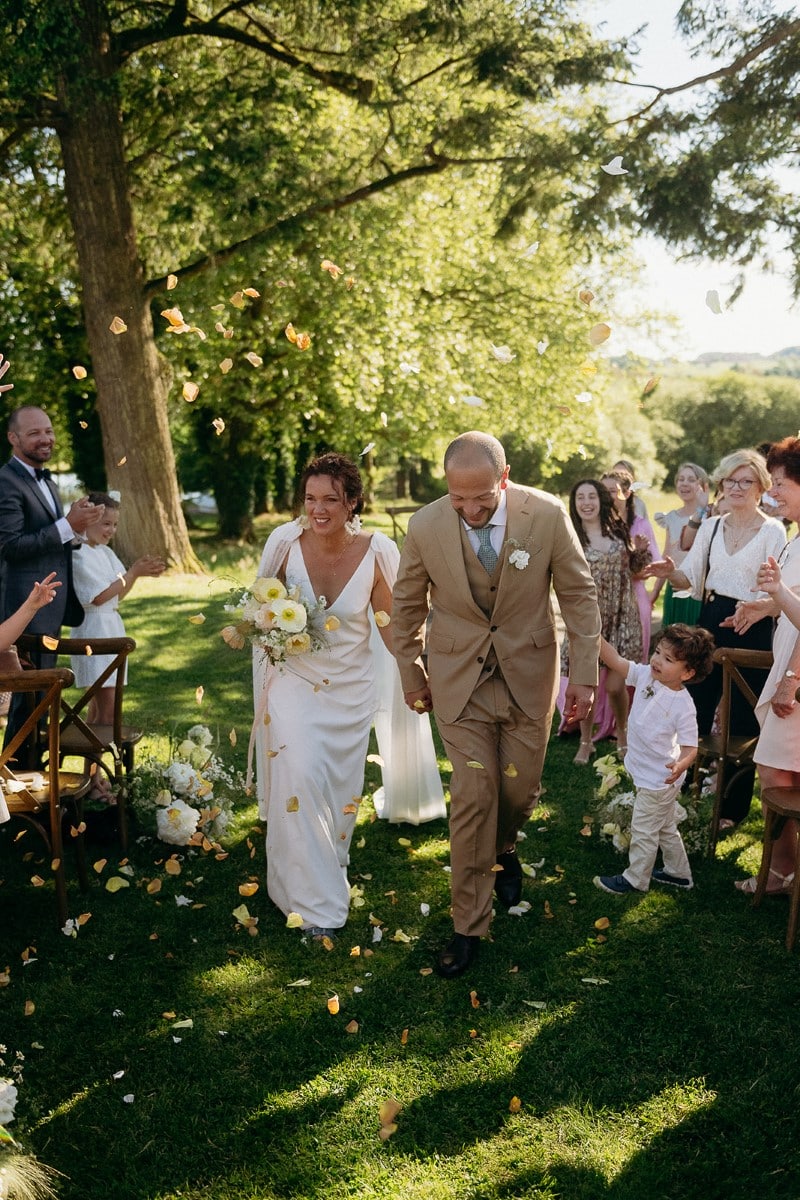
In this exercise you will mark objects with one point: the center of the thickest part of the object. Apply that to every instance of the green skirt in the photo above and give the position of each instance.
(685, 610)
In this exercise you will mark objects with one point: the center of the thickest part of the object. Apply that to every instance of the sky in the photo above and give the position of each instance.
(762, 320)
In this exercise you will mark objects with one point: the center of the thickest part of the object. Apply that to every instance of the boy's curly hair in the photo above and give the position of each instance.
(692, 646)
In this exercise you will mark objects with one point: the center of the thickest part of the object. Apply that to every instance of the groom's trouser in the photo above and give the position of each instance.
(497, 753)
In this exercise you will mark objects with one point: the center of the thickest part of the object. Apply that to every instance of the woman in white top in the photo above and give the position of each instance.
(720, 569)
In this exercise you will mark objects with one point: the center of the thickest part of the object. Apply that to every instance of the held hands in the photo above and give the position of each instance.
(83, 514)
(578, 701)
(419, 701)
(44, 593)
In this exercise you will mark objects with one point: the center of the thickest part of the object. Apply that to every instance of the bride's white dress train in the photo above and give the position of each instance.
(310, 756)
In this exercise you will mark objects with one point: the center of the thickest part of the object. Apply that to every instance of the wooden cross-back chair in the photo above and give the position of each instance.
(39, 796)
(100, 743)
(734, 752)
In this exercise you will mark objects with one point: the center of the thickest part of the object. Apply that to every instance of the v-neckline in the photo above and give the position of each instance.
(329, 604)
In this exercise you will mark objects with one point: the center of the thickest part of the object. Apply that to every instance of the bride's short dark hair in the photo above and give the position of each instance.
(343, 469)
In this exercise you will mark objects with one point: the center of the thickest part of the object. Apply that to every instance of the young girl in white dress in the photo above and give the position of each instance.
(100, 581)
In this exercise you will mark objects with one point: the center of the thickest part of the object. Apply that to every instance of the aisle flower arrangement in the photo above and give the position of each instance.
(22, 1177)
(189, 800)
(280, 622)
(615, 795)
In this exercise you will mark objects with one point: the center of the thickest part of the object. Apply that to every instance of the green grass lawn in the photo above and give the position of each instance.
(659, 1062)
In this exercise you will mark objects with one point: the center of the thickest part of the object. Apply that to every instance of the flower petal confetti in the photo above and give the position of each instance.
(172, 282)
(599, 333)
(712, 302)
(79, 372)
(382, 619)
(514, 1104)
(333, 1004)
(615, 167)
(293, 920)
(197, 619)
(226, 365)
(118, 326)
(254, 359)
(190, 391)
(218, 426)
(503, 354)
(116, 883)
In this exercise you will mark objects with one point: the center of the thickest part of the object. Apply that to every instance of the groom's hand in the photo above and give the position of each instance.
(578, 701)
(420, 701)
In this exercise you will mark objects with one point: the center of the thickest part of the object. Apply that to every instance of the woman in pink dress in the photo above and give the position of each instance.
(619, 484)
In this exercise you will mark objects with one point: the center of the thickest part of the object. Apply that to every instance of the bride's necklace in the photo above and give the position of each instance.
(332, 564)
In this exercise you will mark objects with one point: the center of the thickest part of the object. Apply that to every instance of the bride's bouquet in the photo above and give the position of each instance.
(278, 621)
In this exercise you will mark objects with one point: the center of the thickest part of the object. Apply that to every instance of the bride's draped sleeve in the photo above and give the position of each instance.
(412, 787)
(276, 549)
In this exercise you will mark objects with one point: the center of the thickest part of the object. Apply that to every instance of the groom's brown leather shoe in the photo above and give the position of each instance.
(457, 955)
(508, 882)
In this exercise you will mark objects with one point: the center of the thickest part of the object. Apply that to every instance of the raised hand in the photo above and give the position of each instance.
(45, 592)
(149, 564)
(768, 578)
(661, 568)
(4, 365)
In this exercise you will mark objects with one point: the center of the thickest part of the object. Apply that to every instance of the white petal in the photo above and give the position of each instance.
(615, 167)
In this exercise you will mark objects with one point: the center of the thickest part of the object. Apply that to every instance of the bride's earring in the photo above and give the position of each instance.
(353, 525)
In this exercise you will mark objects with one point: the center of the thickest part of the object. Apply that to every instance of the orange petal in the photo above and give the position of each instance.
(248, 889)
(172, 282)
(333, 1005)
(514, 1104)
(79, 372)
(190, 391)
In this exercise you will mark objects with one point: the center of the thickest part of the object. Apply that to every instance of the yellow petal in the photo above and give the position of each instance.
(514, 1104)
(586, 831)
(386, 1131)
(349, 809)
(382, 619)
(219, 426)
(237, 299)
(404, 1038)
(174, 316)
(172, 282)
(585, 296)
(475, 765)
(254, 359)
(77, 830)
(49, 643)
(199, 692)
(89, 651)
(79, 372)
(351, 1027)
(473, 999)
(83, 424)
(602, 923)
(116, 883)
(172, 866)
(248, 889)
(511, 771)
(389, 1109)
(153, 887)
(84, 917)
(122, 461)
(100, 864)
(291, 332)
(426, 970)
(333, 1004)
(403, 842)
(37, 881)
(30, 1008)
(226, 365)
(197, 619)
(293, 921)
(303, 341)
(332, 624)
(293, 804)
(190, 391)
(118, 325)
(252, 293)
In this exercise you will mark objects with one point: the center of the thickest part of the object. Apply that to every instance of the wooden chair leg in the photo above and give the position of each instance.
(713, 833)
(794, 906)
(766, 858)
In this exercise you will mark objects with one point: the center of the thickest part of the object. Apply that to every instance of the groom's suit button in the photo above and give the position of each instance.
(480, 659)
(492, 629)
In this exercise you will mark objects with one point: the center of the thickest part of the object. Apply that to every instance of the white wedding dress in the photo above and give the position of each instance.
(310, 755)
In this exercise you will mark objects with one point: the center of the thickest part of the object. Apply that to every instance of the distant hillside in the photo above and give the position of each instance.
(714, 356)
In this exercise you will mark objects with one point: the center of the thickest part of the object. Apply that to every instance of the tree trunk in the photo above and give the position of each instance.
(131, 384)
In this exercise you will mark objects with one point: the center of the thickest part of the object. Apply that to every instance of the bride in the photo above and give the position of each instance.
(314, 711)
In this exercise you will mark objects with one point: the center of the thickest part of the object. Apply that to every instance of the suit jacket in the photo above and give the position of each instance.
(30, 548)
(521, 629)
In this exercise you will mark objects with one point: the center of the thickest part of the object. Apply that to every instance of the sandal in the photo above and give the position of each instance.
(585, 752)
(748, 886)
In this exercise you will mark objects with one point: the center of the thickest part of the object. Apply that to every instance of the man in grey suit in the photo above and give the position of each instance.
(36, 537)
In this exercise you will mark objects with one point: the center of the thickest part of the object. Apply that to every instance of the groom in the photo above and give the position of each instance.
(486, 556)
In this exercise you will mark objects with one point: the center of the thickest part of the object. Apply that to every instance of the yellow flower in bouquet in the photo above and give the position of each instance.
(298, 643)
(268, 588)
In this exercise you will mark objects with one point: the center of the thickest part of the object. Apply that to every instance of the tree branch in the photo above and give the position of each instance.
(180, 24)
(779, 34)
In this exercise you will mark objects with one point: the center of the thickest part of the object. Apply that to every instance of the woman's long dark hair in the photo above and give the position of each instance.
(625, 481)
(611, 523)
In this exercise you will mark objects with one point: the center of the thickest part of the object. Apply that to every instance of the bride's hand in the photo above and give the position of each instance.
(419, 701)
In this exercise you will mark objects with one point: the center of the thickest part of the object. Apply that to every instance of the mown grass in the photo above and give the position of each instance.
(674, 1077)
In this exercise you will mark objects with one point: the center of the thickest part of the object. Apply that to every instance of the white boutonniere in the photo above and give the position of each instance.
(519, 559)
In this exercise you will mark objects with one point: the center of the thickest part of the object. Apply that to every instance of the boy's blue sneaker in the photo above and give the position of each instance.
(661, 876)
(616, 884)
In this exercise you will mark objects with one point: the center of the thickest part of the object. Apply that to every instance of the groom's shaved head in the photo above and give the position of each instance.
(475, 449)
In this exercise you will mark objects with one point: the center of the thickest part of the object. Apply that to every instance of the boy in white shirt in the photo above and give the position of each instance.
(662, 745)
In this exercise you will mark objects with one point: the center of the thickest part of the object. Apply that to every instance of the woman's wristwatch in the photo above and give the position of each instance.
(697, 520)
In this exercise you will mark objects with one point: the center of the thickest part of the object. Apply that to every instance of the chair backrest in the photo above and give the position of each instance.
(74, 711)
(734, 660)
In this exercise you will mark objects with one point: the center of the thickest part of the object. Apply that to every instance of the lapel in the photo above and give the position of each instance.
(519, 536)
(448, 535)
(27, 480)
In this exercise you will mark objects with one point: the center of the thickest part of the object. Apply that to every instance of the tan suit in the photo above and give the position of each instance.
(492, 667)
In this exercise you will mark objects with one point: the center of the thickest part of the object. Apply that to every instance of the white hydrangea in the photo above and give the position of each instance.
(177, 823)
(8, 1101)
(201, 735)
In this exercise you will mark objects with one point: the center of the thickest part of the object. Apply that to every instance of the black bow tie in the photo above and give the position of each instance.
(41, 472)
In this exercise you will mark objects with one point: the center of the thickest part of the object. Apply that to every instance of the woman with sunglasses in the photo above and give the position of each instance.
(719, 569)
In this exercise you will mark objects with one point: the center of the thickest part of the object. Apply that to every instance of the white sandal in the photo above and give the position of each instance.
(748, 886)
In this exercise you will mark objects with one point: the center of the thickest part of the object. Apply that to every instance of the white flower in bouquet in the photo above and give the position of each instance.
(186, 748)
(163, 798)
(266, 589)
(177, 823)
(290, 616)
(182, 778)
(8, 1101)
(252, 609)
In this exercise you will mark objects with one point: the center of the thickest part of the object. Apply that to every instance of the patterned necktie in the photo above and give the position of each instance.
(486, 554)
